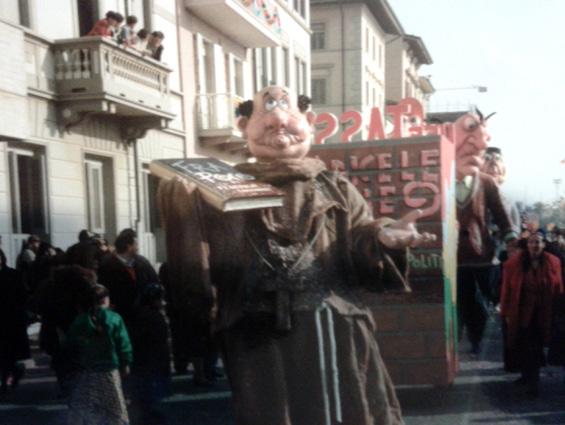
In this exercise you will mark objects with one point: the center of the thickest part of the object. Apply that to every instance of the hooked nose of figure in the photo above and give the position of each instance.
(481, 139)
(277, 120)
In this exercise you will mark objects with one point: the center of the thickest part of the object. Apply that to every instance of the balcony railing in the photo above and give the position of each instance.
(121, 81)
(248, 22)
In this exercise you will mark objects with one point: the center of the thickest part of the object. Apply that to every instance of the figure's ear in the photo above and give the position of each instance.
(242, 123)
(311, 118)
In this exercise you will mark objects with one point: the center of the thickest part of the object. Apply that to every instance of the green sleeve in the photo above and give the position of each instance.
(122, 343)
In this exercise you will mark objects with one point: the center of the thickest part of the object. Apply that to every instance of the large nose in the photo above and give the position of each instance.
(277, 119)
(481, 138)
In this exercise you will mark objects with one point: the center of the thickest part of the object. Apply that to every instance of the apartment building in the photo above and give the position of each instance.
(362, 58)
(80, 119)
(405, 54)
(229, 50)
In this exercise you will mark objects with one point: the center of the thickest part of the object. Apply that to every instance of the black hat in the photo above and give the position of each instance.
(492, 149)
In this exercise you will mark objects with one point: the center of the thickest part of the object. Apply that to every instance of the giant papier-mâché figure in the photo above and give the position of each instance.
(478, 201)
(298, 342)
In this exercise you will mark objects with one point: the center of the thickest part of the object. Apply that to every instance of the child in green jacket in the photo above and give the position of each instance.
(101, 346)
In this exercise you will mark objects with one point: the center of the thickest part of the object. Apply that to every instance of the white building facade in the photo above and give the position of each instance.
(405, 55)
(356, 64)
(81, 118)
(230, 49)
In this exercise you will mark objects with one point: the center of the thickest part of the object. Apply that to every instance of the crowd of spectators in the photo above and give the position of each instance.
(105, 323)
(125, 34)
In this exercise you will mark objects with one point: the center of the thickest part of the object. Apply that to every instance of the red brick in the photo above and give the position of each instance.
(424, 318)
(402, 346)
(436, 344)
(387, 319)
(420, 373)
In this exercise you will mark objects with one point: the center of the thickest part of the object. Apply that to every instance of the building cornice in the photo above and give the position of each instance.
(420, 50)
(380, 9)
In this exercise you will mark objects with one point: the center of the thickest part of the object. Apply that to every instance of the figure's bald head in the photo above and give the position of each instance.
(275, 125)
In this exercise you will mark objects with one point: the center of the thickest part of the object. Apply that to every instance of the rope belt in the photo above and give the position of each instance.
(333, 362)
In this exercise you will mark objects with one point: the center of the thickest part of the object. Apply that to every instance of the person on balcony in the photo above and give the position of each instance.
(107, 27)
(141, 40)
(155, 45)
(127, 36)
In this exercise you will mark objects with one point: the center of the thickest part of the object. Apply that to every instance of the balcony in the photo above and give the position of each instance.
(241, 20)
(217, 123)
(92, 75)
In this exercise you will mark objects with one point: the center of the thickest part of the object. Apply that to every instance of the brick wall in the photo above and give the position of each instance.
(415, 331)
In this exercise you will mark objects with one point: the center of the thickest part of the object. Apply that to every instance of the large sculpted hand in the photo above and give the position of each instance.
(403, 233)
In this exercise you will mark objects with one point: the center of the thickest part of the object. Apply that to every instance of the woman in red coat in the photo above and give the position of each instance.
(531, 283)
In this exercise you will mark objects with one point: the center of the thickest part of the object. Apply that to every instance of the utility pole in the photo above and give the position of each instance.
(557, 183)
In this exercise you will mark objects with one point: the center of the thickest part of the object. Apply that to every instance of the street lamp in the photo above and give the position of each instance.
(457, 105)
(480, 89)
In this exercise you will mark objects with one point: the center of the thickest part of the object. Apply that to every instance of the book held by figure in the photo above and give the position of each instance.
(220, 184)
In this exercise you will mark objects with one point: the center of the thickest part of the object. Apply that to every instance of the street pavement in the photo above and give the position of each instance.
(481, 394)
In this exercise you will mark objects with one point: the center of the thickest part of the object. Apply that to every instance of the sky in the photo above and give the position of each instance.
(516, 48)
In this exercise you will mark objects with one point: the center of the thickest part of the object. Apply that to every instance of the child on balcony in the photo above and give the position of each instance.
(108, 26)
(127, 36)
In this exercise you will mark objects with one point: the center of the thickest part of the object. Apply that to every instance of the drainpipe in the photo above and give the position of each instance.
(129, 144)
(181, 56)
(342, 58)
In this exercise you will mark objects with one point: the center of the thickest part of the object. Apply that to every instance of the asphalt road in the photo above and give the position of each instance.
(481, 394)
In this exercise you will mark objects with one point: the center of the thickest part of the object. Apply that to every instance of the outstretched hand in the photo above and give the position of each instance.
(403, 233)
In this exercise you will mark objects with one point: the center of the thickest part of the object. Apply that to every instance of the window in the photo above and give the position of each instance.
(87, 15)
(261, 63)
(367, 40)
(151, 213)
(100, 195)
(374, 96)
(374, 49)
(380, 55)
(367, 93)
(300, 70)
(95, 198)
(285, 67)
(319, 91)
(274, 63)
(238, 77)
(318, 39)
(28, 191)
(407, 89)
(300, 7)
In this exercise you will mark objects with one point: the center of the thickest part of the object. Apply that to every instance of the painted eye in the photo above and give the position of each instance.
(471, 124)
(488, 157)
(270, 104)
(283, 104)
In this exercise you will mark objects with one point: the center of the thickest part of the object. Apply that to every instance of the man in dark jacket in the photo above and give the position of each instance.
(14, 344)
(126, 273)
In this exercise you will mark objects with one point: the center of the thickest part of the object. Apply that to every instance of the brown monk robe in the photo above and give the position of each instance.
(298, 343)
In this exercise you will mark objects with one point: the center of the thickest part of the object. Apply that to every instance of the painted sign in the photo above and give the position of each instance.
(267, 11)
(396, 176)
(407, 119)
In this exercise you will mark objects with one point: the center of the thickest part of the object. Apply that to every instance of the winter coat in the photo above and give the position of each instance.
(513, 276)
(14, 343)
